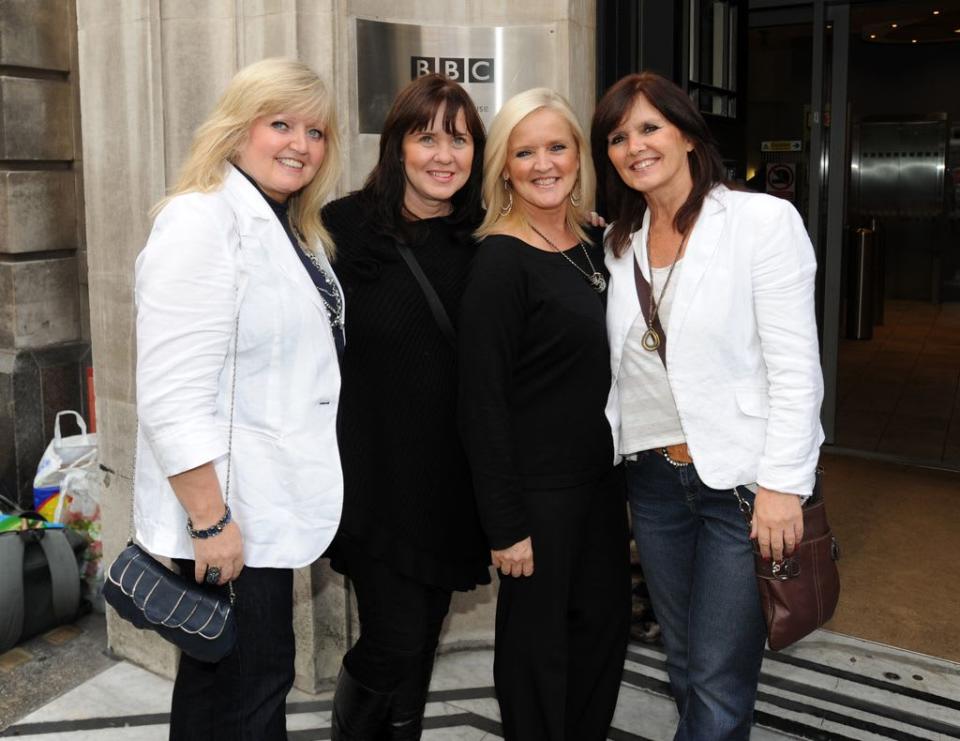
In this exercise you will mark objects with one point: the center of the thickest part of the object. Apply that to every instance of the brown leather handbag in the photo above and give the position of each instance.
(799, 593)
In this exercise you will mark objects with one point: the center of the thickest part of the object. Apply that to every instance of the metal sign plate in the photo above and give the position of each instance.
(492, 63)
(782, 145)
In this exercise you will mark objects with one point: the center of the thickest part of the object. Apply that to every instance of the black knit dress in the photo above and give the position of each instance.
(408, 496)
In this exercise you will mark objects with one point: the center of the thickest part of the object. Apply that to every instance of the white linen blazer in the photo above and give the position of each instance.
(742, 350)
(210, 257)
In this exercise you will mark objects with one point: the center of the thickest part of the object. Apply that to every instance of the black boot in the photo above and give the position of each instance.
(405, 719)
(359, 713)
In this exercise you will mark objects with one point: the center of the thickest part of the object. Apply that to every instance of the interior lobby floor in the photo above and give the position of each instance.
(898, 527)
(899, 393)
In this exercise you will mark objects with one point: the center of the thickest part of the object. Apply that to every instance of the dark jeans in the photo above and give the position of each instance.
(698, 562)
(242, 697)
(562, 632)
(400, 622)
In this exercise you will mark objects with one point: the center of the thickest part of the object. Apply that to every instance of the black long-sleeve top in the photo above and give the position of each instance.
(534, 378)
(408, 495)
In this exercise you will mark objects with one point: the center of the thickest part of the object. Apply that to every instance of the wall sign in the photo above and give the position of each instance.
(782, 180)
(492, 63)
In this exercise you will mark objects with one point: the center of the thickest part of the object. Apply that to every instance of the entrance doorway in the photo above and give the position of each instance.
(886, 73)
(851, 106)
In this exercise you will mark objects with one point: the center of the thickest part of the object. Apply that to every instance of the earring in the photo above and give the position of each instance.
(508, 206)
(575, 197)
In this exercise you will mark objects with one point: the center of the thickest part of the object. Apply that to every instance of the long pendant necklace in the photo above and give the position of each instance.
(651, 338)
(595, 278)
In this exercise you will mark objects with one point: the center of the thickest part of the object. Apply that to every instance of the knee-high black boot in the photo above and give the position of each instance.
(405, 719)
(359, 713)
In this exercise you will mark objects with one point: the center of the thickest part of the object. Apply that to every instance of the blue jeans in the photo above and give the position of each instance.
(698, 563)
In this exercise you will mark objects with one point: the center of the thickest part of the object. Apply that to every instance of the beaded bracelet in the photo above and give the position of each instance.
(211, 531)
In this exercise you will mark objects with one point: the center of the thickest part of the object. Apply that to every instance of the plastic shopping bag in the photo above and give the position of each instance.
(67, 490)
(62, 455)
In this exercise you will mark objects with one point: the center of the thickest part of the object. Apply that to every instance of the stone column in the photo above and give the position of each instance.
(150, 72)
(43, 338)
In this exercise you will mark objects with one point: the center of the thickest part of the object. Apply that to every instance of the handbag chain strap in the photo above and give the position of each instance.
(226, 483)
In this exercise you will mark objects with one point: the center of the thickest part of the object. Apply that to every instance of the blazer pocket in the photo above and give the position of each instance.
(754, 402)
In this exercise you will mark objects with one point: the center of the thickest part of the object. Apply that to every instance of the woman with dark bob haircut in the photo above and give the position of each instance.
(410, 533)
(716, 387)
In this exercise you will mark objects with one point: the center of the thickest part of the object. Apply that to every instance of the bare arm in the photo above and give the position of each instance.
(199, 493)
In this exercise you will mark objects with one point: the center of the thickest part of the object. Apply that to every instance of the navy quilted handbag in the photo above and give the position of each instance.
(151, 597)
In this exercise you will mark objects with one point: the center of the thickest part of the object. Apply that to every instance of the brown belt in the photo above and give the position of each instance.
(677, 454)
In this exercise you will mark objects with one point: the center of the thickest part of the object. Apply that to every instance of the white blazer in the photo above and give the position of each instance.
(742, 351)
(209, 257)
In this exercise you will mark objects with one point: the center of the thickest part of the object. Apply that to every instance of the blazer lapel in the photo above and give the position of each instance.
(264, 225)
(701, 248)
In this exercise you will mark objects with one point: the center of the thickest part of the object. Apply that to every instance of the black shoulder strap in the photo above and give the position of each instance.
(643, 293)
(436, 307)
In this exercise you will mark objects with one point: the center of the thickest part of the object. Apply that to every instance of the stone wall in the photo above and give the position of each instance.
(150, 70)
(43, 298)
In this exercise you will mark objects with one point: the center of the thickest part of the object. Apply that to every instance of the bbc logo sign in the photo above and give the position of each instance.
(457, 69)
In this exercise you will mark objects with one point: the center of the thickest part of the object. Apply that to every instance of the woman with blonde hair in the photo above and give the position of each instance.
(535, 375)
(239, 328)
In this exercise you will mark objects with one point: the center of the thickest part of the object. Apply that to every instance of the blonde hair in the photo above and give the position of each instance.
(513, 112)
(264, 88)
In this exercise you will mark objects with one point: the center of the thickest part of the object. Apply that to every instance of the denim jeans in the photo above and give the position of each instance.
(698, 562)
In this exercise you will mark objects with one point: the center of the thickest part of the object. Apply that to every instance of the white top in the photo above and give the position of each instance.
(648, 413)
(209, 257)
(743, 354)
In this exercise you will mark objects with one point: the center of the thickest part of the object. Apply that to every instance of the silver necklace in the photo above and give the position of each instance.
(335, 310)
(651, 338)
(594, 277)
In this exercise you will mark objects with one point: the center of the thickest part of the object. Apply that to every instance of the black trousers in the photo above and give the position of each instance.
(242, 697)
(562, 632)
(400, 622)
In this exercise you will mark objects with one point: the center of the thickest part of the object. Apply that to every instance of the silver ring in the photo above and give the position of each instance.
(213, 575)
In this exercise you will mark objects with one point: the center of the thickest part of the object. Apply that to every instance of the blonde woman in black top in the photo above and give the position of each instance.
(535, 374)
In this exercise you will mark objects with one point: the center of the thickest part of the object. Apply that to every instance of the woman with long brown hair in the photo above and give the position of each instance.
(410, 535)
(717, 387)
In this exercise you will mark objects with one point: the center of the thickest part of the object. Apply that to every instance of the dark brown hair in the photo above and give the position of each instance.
(624, 206)
(414, 110)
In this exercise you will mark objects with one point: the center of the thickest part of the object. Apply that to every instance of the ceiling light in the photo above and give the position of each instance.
(893, 25)
(873, 36)
(936, 12)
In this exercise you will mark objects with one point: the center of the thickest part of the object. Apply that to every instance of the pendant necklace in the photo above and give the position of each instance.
(595, 278)
(651, 338)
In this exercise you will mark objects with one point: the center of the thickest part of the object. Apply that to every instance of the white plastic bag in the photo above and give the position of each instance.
(67, 490)
(66, 453)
